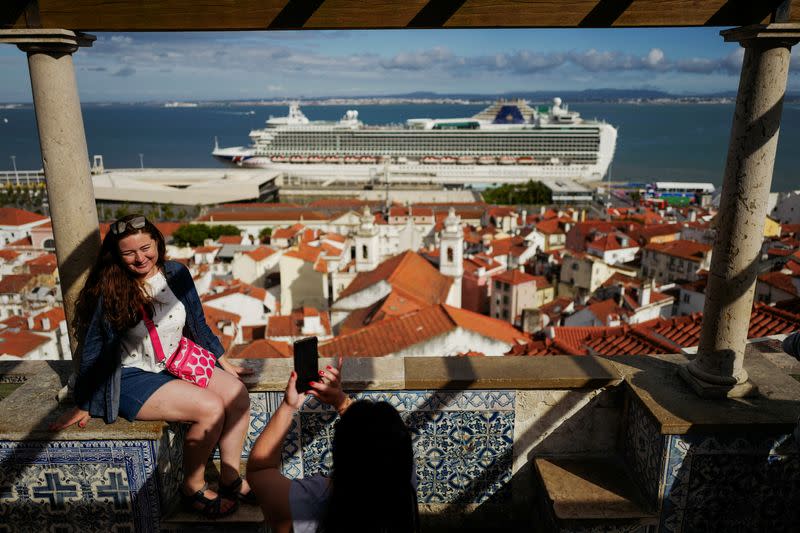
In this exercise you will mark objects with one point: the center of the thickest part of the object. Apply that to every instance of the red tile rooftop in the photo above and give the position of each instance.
(206, 249)
(11, 216)
(691, 250)
(265, 215)
(410, 273)
(238, 288)
(260, 253)
(20, 343)
(393, 335)
(262, 349)
(516, 277)
(8, 255)
(230, 239)
(307, 253)
(781, 281)
(14, 283)
(54, 316)
(292, 325)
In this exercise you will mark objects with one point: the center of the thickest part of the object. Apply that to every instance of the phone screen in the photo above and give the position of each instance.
(305, 362)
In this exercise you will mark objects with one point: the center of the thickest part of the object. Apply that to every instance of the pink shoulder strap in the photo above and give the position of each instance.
(151, 330)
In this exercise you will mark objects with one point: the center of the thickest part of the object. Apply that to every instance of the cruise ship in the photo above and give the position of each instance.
(509, 141)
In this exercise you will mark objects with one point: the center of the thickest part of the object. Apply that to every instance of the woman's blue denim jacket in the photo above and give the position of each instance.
(98, 380)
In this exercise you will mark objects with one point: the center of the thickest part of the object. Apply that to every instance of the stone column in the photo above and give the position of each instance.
(65, 157)
(717, 370)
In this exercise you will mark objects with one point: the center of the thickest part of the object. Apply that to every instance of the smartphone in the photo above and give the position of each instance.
(306, 362)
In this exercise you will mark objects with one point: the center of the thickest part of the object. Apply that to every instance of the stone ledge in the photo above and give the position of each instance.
(586, 488)
(519, 373)
(26, 413)
(678, 410)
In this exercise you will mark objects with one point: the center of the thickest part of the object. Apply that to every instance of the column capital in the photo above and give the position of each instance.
(770, 35)
(47, 40)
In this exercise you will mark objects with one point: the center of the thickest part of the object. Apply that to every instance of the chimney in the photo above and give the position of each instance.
(46, 324)
(31, 322)
(312, 324)
(644, 294)
(542, 209)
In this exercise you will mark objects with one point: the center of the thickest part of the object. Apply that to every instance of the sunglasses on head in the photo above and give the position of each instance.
(121, 226)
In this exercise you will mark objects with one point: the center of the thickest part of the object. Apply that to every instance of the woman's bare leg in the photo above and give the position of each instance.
(236, 401)
(179, 401)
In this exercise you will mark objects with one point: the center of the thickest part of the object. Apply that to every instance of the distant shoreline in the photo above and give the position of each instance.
(195, 104)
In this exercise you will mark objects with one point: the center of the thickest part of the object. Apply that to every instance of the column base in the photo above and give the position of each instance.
(708, 390)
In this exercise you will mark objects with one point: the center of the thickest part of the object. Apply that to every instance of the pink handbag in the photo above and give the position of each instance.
(190, 362)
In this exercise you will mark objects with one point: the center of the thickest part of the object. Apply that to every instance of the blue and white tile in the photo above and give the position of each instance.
(55, 485)
(645, 450)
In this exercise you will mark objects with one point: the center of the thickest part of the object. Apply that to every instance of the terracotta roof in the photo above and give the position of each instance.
(397, 303)
(214, 315)
(11, 216)
(25, 241)
(14, 283)
(408, 272)
(239, 288)
(8, 255)
(265, 215)
(260, 253)
(550, 227)
(402, 211)
(390, 336)
(691, 250)
(20, 343)
(334, 237)
(472, 264)
(262, 349)
(781, 281)
(15, 322)
(54, 315)
(230, 239)
(307, 253)
(611, 241)
(206, 249)
(651, 231)
(292, 325)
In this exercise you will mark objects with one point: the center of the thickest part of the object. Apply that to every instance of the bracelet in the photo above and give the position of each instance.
(345, 404)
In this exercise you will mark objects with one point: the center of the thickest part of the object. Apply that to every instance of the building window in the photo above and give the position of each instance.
(449, 255)
(574, 266)
(505, 314)
(364, 252)
(497, 285)
(686, 298)
(505, 299)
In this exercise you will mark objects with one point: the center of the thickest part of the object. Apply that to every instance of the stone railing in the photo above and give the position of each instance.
(540, 442)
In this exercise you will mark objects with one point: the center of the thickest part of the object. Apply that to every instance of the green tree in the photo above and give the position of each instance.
(215, 232)
(264, 234)
(191, 234)
(168, 212)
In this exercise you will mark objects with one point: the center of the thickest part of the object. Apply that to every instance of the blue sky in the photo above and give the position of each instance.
(242, 65)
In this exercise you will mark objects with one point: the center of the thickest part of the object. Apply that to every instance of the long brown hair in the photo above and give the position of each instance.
(121, 290)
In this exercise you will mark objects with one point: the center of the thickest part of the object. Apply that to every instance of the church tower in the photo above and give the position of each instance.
(451, 255)
(367, 243)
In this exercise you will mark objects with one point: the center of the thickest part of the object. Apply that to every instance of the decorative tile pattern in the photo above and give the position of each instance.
(170, 463)
(78, 486)
(731, 482)
(644, 449)
(462, 440)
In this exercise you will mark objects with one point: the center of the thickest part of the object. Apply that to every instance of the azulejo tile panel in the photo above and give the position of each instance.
(746, 481)
(463, 440)
(78, 486)
(644, 449)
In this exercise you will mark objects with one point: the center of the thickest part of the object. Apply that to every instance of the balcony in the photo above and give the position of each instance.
(556, 443)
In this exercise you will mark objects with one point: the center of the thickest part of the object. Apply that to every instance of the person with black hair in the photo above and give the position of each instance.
(372, 486)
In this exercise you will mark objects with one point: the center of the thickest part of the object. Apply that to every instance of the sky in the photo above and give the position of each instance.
(123, 67)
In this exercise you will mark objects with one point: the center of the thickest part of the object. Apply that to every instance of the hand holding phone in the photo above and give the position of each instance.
(306, 363)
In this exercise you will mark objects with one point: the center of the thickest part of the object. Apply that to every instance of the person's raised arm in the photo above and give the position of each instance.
(271, 487)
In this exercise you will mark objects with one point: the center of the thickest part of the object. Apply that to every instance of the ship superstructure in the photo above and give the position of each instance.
(508, 139)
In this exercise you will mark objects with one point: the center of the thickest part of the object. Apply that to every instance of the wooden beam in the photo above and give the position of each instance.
(197, 15)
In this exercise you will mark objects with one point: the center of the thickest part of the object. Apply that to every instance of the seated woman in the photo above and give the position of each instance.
(371, 486)
(120, 374)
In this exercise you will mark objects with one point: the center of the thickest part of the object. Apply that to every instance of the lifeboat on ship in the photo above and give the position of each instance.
(333, 159)
(507, 160)
(486, 160)
(447, 160)
(351, 159)
(255, 162)
(466, 160)
(316, 159)
(525, 160)
(279, 159)
(298, 159)
(367, 159)
(430, 160)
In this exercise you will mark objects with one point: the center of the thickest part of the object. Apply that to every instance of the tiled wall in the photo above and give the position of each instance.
(737, 481)
(78, 486)
(463, 440)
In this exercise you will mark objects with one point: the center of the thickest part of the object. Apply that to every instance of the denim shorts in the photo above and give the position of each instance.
(136, 387)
